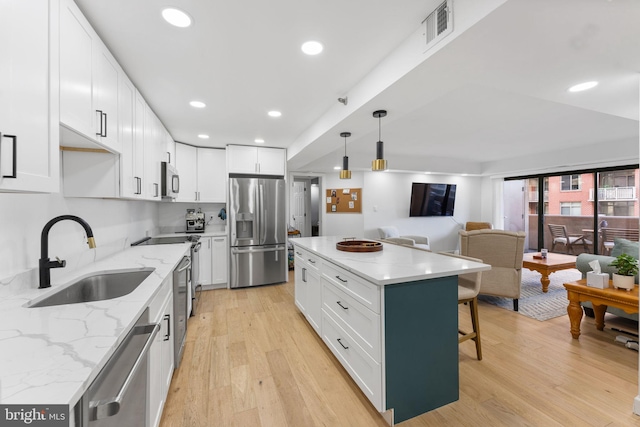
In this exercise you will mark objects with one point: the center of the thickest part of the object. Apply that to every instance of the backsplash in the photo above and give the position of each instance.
(115, 223)
(171, 216)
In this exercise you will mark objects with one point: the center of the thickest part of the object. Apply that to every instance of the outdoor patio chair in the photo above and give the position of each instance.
(561, 237)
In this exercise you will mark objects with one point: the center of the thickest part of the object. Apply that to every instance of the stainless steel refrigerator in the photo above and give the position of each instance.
(257, 220)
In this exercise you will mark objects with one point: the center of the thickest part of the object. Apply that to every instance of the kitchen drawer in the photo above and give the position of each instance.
(157, 305)
(307, 258)
(361, 323)
(365, 371)
(364, 292)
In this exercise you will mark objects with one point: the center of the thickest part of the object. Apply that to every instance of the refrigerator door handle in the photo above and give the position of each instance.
(252, 250)
(263, 216)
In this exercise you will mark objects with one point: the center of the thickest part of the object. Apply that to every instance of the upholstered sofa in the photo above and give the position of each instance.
(582, 264)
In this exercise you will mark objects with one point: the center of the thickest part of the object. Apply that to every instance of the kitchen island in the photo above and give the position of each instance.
(389, 317)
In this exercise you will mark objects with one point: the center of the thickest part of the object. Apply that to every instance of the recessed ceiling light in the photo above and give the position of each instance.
(583, 86)
(274, 113)
(176, 17)
(312, 47)
(259, 141)
(197, 104)
(203, 136)
(337, 168)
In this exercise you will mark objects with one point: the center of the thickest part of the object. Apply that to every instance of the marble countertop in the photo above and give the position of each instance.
(393, 264)
(50, 355)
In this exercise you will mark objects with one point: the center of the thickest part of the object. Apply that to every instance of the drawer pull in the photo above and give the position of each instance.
(341, 279)
(298, 253)
(343, 346)
(343, 307)
(311, 261)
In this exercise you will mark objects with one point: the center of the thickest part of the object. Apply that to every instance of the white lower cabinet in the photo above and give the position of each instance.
(161, 360)
(219, 260)
(205, 261)
(308, 287)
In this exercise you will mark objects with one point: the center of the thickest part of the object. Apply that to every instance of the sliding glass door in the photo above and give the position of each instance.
(575, 212)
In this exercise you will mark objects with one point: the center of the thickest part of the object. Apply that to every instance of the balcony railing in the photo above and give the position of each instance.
(614, 194)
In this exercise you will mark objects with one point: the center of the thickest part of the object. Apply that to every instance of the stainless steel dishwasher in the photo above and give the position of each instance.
(118, 395)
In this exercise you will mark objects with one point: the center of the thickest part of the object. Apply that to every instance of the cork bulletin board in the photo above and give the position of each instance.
(344, 200)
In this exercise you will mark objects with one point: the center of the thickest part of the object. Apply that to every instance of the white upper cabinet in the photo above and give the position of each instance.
(29, 151)
(88, 84)
(211, 170)
(256, 160)
(131, 124)
(202, 174)
(153, 149)
(186, 159)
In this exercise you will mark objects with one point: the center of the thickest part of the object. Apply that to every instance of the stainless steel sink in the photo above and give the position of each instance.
(97, 287)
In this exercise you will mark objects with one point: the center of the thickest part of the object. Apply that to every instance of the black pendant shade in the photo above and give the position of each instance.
(379, 164)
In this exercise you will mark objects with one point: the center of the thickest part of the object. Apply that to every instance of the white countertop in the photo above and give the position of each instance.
(393, 264)
(50, 355)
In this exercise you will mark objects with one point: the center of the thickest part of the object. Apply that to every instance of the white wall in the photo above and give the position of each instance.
(386, 199)
(342, 224)
(115, 223)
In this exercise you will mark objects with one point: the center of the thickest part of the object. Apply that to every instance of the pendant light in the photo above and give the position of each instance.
(345, 173)
(379, 164)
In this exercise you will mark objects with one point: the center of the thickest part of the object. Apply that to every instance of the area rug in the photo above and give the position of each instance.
(533, 302)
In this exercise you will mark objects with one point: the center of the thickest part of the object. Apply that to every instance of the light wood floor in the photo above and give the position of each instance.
(251, 359)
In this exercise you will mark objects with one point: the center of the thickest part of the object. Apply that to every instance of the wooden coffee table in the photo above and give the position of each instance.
(578, 292)
(553, 262)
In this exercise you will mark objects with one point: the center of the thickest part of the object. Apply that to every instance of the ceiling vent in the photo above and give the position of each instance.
(438, 24)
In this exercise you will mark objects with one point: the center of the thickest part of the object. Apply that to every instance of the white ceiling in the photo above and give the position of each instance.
(496, 90)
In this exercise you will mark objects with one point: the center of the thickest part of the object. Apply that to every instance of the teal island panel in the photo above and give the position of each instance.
(421, 346)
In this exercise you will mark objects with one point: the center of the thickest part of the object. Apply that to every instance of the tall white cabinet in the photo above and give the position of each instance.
(29, 153)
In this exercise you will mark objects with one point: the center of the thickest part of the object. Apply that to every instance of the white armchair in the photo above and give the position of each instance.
(390, 232)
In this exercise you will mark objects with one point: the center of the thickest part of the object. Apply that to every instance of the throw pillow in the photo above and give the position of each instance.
(624, 246)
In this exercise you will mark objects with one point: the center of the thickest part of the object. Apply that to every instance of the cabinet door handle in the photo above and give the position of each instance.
(341, 279)
(105, 124)
(168, 156)
(100, 113)
(304, 274)
(343, 346)
(155, 184)
(14, 160)
(342, 306)
(167, 317)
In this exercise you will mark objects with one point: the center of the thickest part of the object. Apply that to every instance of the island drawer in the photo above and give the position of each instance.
(365, 371)
(157, 304)
(361, 323)
(309, 259)
(362, 291)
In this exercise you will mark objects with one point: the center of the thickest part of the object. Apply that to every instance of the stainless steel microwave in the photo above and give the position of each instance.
(170, 181)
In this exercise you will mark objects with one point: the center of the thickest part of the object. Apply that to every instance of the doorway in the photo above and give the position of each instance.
(305, 205)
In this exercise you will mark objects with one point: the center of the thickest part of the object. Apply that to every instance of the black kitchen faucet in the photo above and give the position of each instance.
(45, 263)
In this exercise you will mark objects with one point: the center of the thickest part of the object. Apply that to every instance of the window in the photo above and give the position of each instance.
(570, 182)
(570, 208)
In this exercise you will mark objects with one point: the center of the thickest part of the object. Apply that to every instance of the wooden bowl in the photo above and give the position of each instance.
(359, 246)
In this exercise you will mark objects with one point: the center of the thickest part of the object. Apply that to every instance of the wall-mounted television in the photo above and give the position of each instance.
(432, 199)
